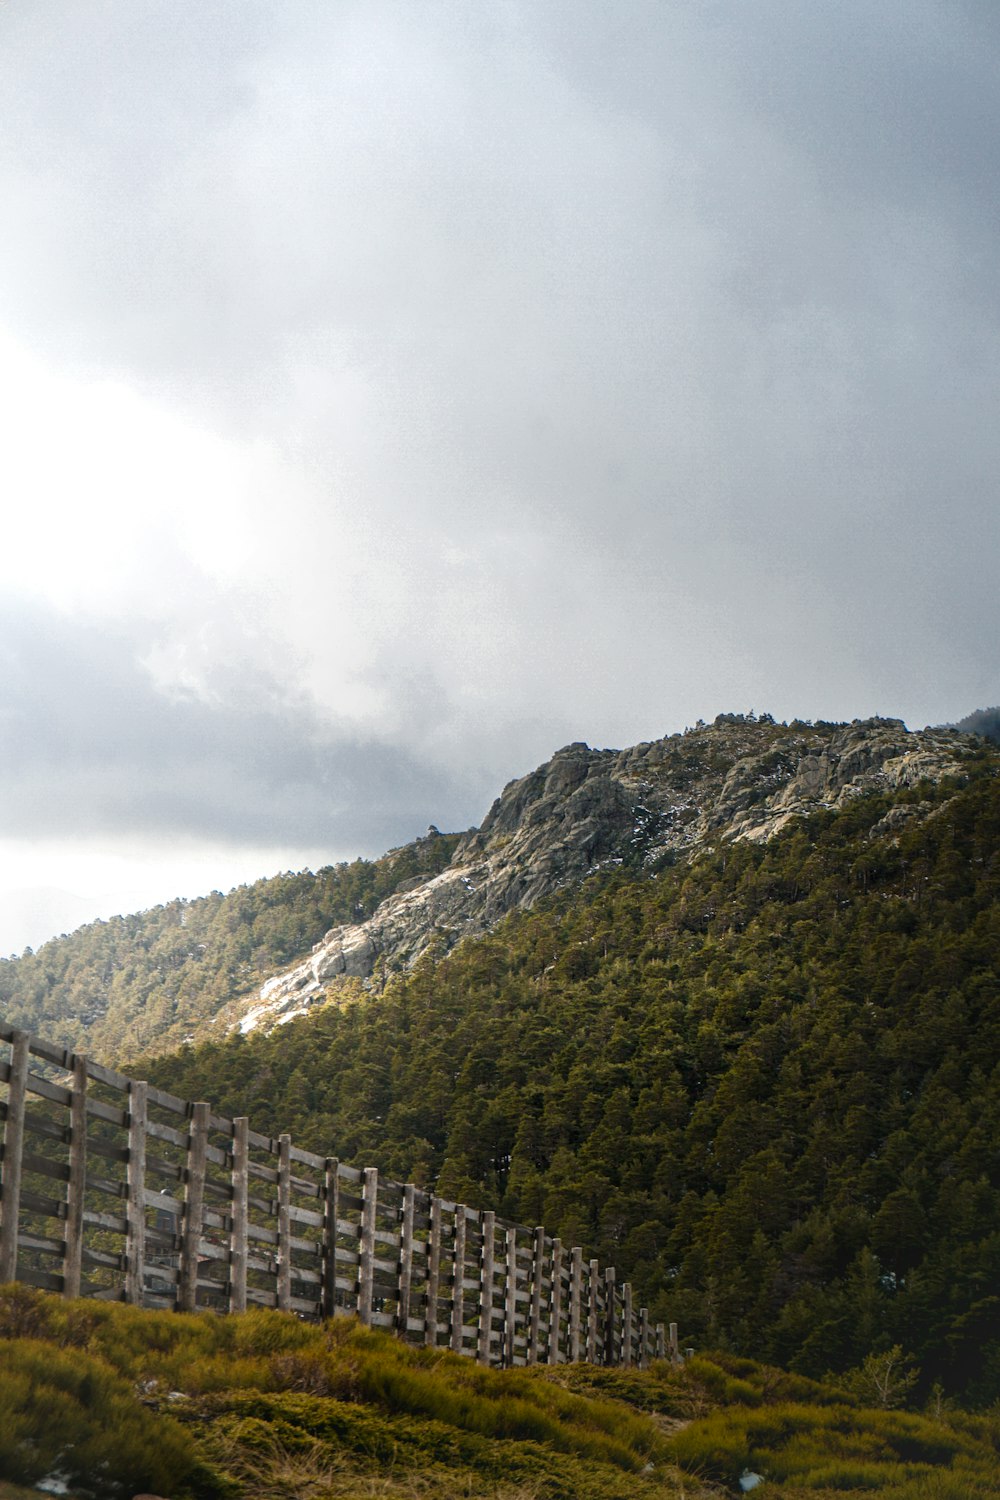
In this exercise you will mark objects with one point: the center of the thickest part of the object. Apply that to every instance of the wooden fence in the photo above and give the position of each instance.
(112, 1188)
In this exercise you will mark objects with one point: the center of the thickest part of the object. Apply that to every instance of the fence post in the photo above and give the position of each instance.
(284, 1287)
(331, 1213)
(609, 1316)
(537, 1268)
(366, 1268)
(135, 1273)
(433, 1274)
(194, 1208)
(643, 1338)
(593, 1310)
(627, 1324)
(77, 1186)
(675, 1353)
(510, 1303)
(661, 1341)
(486, 1288)
(13, 1148)
(575, 1298)
(239, 1218)
(555, 1302)
(405, 1259)
(458, 1291)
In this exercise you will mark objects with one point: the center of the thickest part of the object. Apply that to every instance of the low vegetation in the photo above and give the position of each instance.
(110, 1401)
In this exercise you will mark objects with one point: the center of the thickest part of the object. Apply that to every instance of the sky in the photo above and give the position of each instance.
(393, 391)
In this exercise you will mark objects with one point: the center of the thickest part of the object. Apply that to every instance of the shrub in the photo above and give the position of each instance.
(70, 1413)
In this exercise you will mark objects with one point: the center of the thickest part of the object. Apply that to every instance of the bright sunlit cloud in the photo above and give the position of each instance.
(103, 489)
(104, 882)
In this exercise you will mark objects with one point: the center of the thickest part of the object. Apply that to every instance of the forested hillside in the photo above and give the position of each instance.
(273, 950)
(762, 1084)
(156, 977)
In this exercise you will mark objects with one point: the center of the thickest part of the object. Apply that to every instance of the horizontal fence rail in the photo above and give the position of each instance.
(112, 1188)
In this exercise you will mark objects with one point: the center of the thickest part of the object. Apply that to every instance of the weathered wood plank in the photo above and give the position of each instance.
(486, 1287)
(238, 1232)
(555, 1302)
(306, 1216)
(263, 1174)
(609, 1316)
(102, 1111)
(49, 1281)
(107, 1075)
(627, 1325)
(42, 1130)
(92, 1257)
(593, 1310)
(575, 1302)
(166, 1101)
(433, 1274)
(366, 1245)
(165, 1133)
(405, 1258)
(56, 1171)
(308, 1159)
(51, 1052)
(135, 1211)
(458, 1280)
(13, 1150)
(44, 1088)
(535, 1316)
(117, 1223)
(284, 1222)
(107, 1152)
(77, 1185)
(510, 1300)
(42, 1244)
(194, 1208)
(331, 1211)
(107, 1185)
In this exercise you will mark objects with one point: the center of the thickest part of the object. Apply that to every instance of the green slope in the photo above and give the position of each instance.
(111, 1401)
(763, 1086)
(155, 978)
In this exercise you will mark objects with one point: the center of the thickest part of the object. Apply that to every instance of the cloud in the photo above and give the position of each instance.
(561, 371)
(91, 746)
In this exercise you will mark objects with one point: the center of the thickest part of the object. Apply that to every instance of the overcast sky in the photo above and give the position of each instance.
(393, 392)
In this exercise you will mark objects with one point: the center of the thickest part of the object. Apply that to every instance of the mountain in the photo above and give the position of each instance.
(984, 721)
(723, 1009)
(589, 810)
(269, 951)
(758, 1073)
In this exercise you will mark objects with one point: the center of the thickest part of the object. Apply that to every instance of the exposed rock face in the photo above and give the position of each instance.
(587, 809)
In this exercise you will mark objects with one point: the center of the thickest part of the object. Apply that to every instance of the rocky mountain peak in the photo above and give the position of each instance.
(586, 809)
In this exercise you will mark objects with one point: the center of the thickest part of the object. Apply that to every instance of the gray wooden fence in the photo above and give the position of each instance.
(112, 1188)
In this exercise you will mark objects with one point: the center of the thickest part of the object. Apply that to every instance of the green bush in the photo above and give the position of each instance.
(265, 1407)
(68, 1413)
(844, 1448)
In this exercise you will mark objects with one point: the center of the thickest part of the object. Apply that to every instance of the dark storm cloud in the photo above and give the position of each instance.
(89, 745)
(695, 303)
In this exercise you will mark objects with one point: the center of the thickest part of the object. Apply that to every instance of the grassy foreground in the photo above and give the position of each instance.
(111, 1401)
